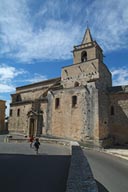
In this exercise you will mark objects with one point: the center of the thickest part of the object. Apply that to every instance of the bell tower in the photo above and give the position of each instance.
(87, 50)
(87, 65)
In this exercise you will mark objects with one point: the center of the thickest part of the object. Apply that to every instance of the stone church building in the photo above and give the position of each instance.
(80, 105)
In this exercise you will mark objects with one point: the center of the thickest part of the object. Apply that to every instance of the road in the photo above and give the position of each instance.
(21, 170)
(110, 172)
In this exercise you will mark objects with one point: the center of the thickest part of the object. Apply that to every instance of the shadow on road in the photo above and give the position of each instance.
(46, 173)
(101, 188)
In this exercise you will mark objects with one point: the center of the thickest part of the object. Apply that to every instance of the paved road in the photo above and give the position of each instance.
(23, 171)
(110, 172)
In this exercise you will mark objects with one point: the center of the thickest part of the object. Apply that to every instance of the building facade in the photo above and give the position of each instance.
(3, 128)
(81, 104)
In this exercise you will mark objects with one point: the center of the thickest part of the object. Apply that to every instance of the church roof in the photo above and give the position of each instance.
(40, 83)
(118, 89)
(87, 37)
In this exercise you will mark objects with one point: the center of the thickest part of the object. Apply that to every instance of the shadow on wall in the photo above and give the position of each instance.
(119, 124)
(101, 188)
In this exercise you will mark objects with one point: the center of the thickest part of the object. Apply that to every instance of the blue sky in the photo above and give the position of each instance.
(37, 37)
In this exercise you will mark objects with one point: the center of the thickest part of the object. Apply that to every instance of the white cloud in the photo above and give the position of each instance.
(8, 107)
(4, 88)
(8, 73)
(10, 76)
(50, 31)
(120, 76)
(35, 78)
(22, 41)
(110, 23)
(54, 42)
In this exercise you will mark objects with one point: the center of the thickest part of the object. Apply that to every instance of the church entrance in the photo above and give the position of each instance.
(32, 127)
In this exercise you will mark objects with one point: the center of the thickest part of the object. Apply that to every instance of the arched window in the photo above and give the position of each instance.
(76, 84)
(83, 56)
(18, 112)
(112, 112)
(57, 103)
(74, 100)
(18, 98)
(10, 112)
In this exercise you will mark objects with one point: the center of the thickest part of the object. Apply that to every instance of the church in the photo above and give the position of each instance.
(80, 105)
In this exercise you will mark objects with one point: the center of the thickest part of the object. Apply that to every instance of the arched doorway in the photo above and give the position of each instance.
(32, 127)
(35, 123)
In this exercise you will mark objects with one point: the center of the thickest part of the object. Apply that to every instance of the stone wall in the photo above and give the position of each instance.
(25, 100)
(2, 117)
(105, 79)
(119, 117)
(90, 49)
(79, 122)
(81, 73)
(65, 121)
(19, 123)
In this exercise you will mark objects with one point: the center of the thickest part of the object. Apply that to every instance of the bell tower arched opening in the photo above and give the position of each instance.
(83, 56)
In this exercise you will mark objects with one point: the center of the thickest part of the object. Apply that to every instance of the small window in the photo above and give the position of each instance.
(83, 56)
(57, 103)
(18, 112)
(10, 112)
(18, 98)
(74, 101)
(112, 110)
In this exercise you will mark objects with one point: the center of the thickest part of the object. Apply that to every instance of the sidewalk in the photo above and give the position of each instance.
(123, 153)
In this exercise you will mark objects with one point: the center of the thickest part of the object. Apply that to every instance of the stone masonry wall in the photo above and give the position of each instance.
(2, 116)
(105, 77)
(27, 94)
(81, 73)
(66, 121)
(119, 119)
(19, 123)
(91, 54)
(104, 129)
(80, 122)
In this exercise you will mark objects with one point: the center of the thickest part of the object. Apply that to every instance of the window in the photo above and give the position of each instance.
(74, 101)
(10, 112)
(18, 98)
(112, 110)
(57, 103)
(83, 56)
(18, 112)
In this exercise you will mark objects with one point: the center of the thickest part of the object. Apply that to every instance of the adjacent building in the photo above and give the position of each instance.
(80, 105)
(3, 128)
